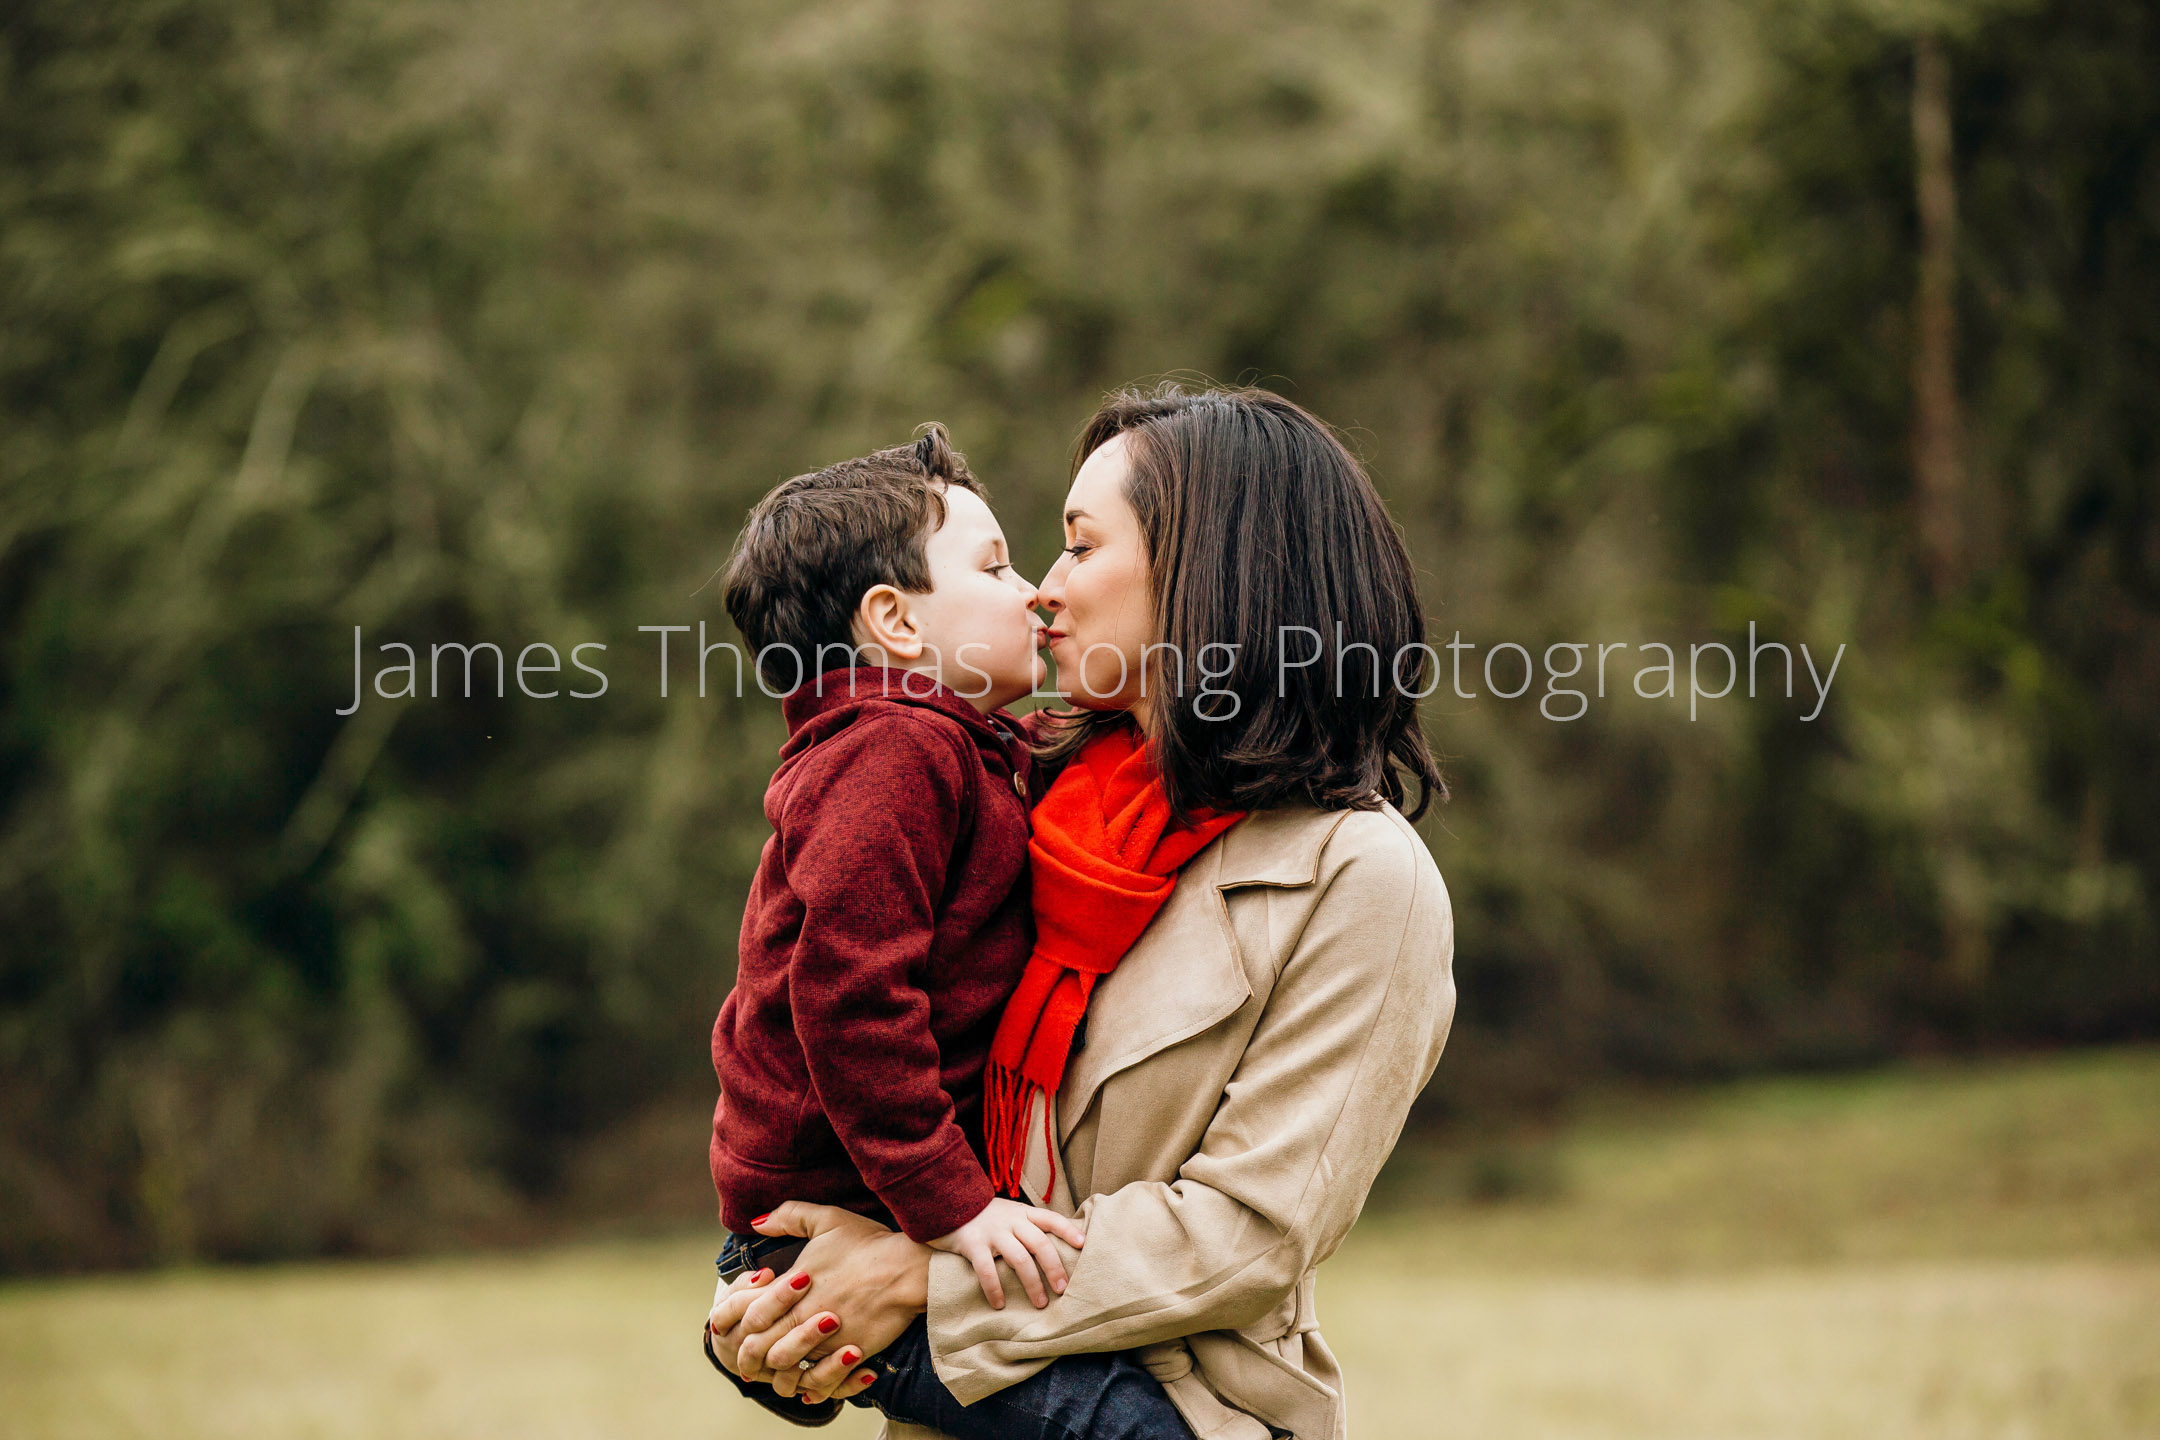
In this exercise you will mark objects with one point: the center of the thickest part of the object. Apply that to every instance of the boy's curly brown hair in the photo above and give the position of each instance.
(814, 545)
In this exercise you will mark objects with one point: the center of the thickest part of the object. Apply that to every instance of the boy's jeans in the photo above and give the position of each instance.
(1076, 1397)
(740, 1255)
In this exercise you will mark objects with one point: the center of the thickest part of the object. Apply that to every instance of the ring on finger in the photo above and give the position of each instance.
(805, 1363)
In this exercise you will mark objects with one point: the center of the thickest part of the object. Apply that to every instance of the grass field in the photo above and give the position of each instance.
(1969, 1252)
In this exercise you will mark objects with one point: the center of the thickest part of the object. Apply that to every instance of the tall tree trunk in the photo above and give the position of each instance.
(1937, 445)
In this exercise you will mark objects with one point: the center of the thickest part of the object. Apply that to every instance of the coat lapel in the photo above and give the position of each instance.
(1185, 972)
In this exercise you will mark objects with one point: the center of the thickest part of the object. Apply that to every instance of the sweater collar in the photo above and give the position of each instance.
(847, 687)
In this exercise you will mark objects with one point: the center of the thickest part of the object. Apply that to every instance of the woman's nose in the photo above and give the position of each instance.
(1050, 595)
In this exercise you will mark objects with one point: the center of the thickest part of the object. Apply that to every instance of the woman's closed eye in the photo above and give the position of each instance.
(1078, 549)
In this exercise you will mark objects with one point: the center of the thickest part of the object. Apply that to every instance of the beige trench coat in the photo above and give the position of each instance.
(1245, 1072)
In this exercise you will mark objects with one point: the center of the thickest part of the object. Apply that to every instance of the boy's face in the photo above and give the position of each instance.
(979, 612)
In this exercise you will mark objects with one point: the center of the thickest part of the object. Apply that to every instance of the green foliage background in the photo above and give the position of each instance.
(486, 321)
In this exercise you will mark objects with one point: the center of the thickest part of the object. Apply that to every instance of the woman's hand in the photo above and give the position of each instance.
(827, 1376)
(863, 1281)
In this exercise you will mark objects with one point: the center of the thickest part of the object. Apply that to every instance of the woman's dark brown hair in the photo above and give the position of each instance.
(1264, 533)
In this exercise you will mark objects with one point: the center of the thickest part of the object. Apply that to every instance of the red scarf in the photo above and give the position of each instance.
(1105, 857)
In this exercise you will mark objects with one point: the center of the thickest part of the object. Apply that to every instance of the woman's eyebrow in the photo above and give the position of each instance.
(1072, 515)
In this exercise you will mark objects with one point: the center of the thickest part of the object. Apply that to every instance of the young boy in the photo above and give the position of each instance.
(889, 918)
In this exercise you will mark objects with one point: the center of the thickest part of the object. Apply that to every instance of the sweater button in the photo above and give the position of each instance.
(1020, 786)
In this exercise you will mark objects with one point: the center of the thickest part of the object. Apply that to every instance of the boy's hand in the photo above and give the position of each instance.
(1012, 1231)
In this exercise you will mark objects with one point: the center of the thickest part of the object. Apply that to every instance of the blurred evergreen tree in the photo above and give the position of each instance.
(486, 322)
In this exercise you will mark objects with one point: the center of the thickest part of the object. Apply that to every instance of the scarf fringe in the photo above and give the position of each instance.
(1007, 1096)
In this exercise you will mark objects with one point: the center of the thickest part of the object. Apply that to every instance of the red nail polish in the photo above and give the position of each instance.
(760, 1220)
(829, 1324)
(849, 1357)
(761, 1277)
(868, 1378)
(800, 1282)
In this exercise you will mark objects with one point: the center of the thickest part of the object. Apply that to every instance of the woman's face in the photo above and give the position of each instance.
(1102, 614)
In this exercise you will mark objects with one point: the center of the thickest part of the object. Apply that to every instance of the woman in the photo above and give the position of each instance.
(1235, 610)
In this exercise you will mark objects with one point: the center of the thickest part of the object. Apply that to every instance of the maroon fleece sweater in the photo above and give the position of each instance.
(887, 924)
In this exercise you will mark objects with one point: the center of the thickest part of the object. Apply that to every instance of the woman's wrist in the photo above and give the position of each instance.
(908, 1265)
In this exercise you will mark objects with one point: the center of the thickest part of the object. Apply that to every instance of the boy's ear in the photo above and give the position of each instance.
(885, 620)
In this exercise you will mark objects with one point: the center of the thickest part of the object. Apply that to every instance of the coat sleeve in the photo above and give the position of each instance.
(869, 870)
(1347, 1038)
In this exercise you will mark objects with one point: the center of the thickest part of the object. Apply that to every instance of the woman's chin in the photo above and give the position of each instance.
(1100, 704)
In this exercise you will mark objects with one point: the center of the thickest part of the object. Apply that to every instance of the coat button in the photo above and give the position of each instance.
(1020, 786)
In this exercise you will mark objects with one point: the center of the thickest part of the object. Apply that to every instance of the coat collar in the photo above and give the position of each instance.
(1187, 971)
(1276, 847)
